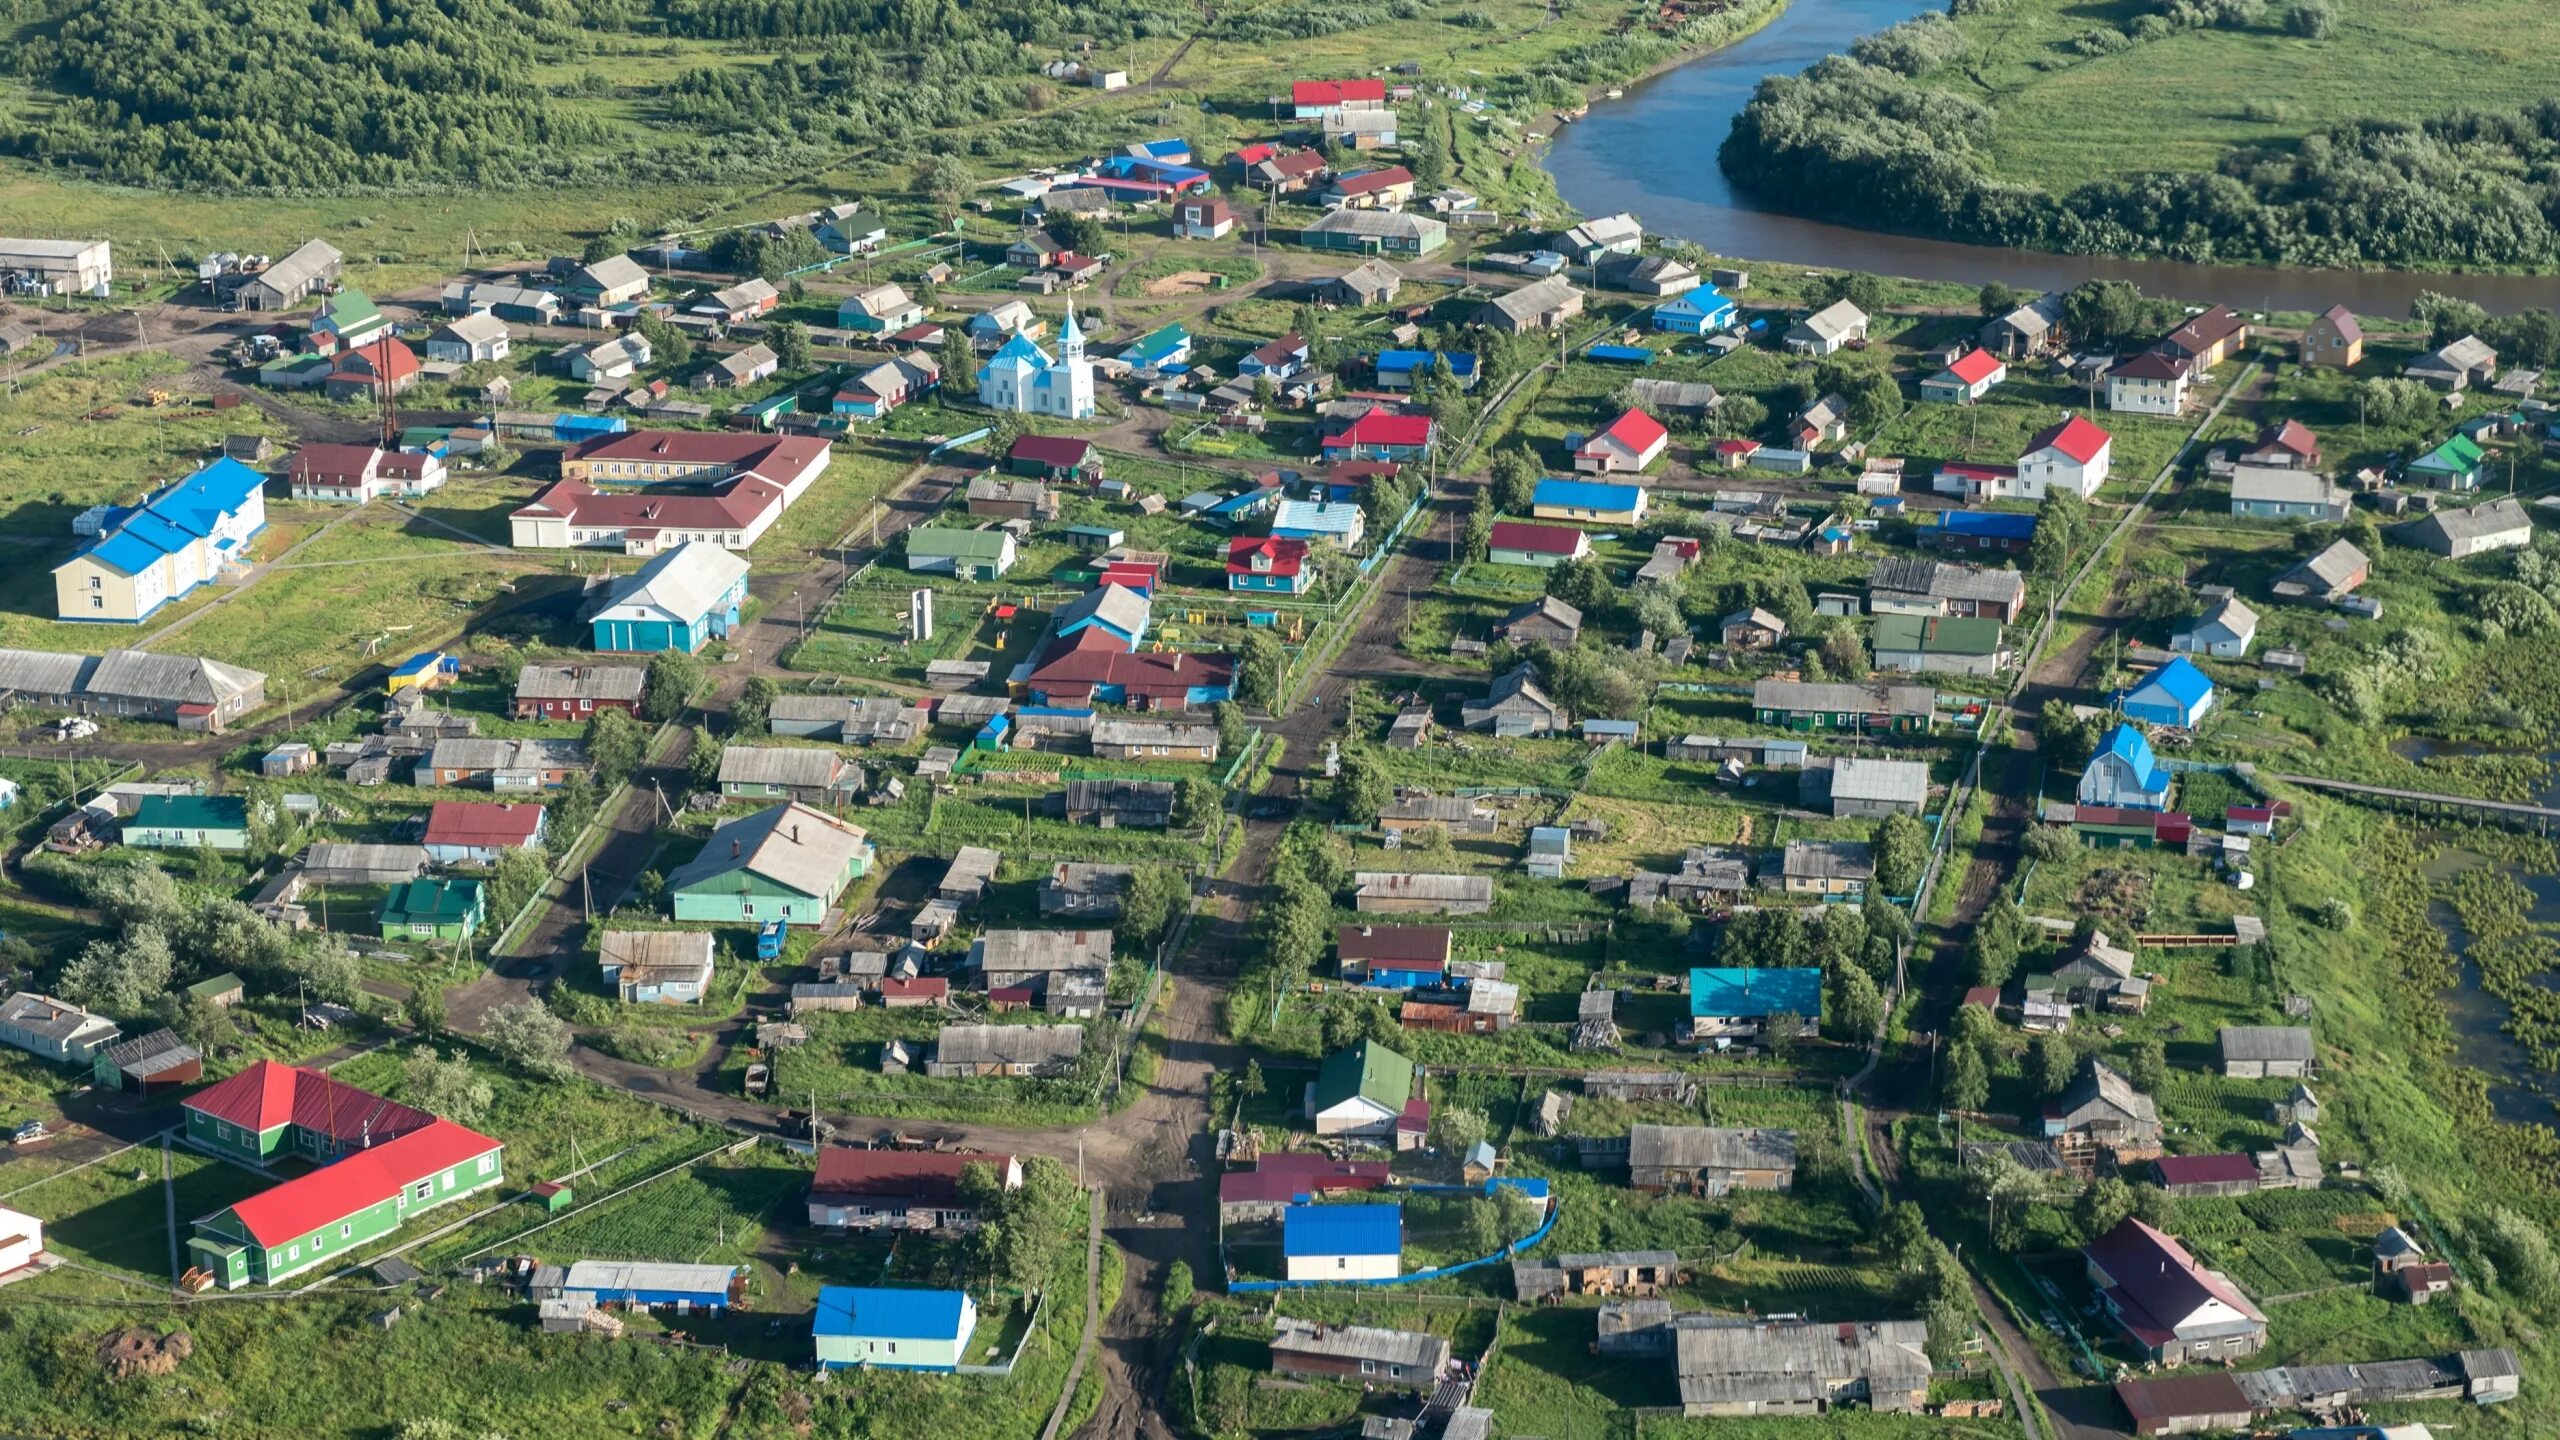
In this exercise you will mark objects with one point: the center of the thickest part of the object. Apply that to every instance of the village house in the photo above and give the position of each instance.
(857, 1327)
(2456, 465)
(2031, 329)
(2151, 383)
(740, 370)
(1398, 957)
(807, 774)
(1381, 434)
(1710, 1161)
(1826, 330)
(682, 600)
(862, 1189)
(873, 393)
(1080, 889)
(739, 303)
(1954, 645)
(2459, 534)
(1659, 276)
(1514, 705)
(2070, 455)
(1124, 739)
(616, 359)
(1397, 892)
(2175, 694)
(657, 967)
(2103, 1112)
(466, 832)
(1815, 705)
(469, 339)
(434, 909)
(2101, 976)
(1019, 1051)
(1728, 1004)
(1373, 232)
(147, 1064)
(878, 309)
(1518, 542)
(968, 555)
(2270, 492)
(1268, 564)
(2334, 339)
(1905, 586)
(501, 764)
(2124, 773)
(2265, 1052)
(1967, 378)
(786, 862)
(1596, 501)
(1801, 1367)
(1546, 621)
(1538, 305)
(1629, 443)
(1343, 1243)
(1752, 629)
(2225, 630)
(2456, 367)
(359, 473)
(576, 692)
(1396, 1359)
(1372, 282)
(1119, 804)
(2173, 1309)
(55, 1030)
(2208, 339)
(1388, 187)
(1870, 789)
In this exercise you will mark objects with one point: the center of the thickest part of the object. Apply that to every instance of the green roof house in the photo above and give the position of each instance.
(2453, 465)
(434, 909)
(183, 822)
(350, 320)
(1367, 1092)
(1951, 644)
(964, 554)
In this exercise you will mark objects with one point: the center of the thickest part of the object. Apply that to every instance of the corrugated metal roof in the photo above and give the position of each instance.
(893, 1314)
(1342, 1230)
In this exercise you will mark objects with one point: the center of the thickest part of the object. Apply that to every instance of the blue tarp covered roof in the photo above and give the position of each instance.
(1398, 362)
(1342, 1230)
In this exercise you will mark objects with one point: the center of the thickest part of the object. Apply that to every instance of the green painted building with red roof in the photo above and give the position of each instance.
(380, 1163)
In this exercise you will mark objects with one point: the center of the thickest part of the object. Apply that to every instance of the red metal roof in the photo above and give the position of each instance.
(376, 360)
(2180, 1397)
(2292, 436)
(1536, 539)
(2074, 437)
(368, 1177)
(1163, 675)
(900, 1174)
(1635, 430)
(482, 824)
(1403, 944)
(922, 987)
(1256, 153)
(734, 508)
(1383, 178)
(1986, 996)
(1967, 470)
(1345, 471)
(1287, 557)
(1975, 366)
(2205, 1169)
(2156, 1280)
(778, 457)
(268, 1094)
(1336, 92)
(1061, 451)
(1736, 445)
(1381, 427)
(1298, 164)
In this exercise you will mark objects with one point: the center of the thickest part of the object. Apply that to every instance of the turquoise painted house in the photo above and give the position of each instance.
(683, 600)
(787, 863)
(1114, 608)
(1702, 311)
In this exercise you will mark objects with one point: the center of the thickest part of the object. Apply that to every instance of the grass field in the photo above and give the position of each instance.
(2065, 119)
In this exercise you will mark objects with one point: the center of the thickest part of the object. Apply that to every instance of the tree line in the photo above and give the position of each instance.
(1854, 139)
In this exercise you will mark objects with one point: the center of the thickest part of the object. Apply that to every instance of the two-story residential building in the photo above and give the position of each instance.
(2151, 383)
(2173, 1309)
(189, 533)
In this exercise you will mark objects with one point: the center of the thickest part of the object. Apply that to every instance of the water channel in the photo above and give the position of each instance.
(1654, 152)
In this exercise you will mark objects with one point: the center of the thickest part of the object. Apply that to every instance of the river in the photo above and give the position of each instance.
(1654, 153)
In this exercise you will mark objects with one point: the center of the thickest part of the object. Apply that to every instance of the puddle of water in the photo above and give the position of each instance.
(2479, 1018)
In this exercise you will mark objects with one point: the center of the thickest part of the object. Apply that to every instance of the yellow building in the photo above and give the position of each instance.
(180, 538)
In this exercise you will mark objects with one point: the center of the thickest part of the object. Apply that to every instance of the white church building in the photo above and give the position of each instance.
(1023, 379)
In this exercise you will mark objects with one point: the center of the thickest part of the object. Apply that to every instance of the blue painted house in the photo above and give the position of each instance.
(2125, 774)
(1702, 311)
(1336, 522)
(1727, 1003)
(683, 600)
(1243, 506)
(2175, 694)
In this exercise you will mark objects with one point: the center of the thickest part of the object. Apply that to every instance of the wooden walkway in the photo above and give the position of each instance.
(2541, 819)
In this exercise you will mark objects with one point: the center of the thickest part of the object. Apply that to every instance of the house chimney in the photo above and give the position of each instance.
(733, 849)
(795, 832)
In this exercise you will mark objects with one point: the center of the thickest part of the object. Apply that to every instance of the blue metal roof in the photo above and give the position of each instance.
(1342, 1230)
(889, 1314)
(1587, 495)
(1068, 711)
(125, 554)
(1994, 524)
(157, 531)
(2178, 681)
(2129, 745)
(1397, 362)
(1753, 993)
(420, 663)
(1702, 301)
(1623, 354)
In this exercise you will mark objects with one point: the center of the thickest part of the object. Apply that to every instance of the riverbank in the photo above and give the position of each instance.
(1651, 152)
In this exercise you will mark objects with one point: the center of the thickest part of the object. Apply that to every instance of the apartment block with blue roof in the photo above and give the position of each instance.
(156, 553)
(2125, 774)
